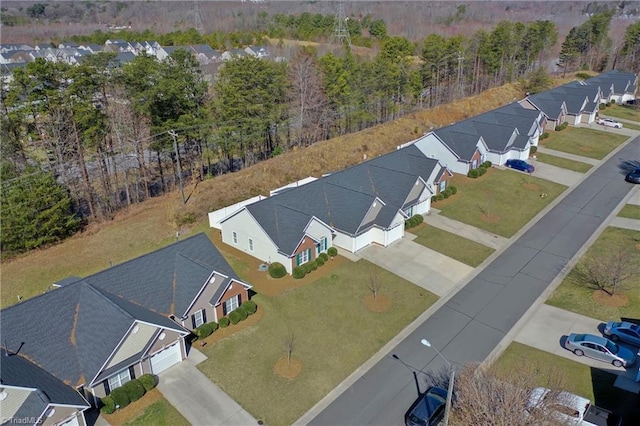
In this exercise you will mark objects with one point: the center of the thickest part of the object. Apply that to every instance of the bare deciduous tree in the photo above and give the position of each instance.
(372, 281)
(609, 270)
(288, 346)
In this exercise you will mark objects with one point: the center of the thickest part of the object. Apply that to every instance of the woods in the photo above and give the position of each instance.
(109, 135)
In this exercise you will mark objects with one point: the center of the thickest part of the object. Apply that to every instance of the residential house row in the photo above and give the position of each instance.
(65, 349)
(368, 203)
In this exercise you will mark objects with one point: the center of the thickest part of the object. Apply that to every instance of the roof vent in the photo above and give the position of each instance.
(136, 329)
(3, 395)
(162, 336)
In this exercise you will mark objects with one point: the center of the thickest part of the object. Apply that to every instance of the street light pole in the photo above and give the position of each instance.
(452, 374)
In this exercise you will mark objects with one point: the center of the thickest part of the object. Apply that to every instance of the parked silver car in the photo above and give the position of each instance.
(610, 123)
(600, 348)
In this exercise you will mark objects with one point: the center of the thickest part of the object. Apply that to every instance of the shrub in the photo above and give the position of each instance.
(214, 326)
(533, 149)
(203, 331)
(277, 270)
(234, 317)
(224, 322)
(481, 171)
(453, 189)
(242, 312)
(562, 126)
(135, 389)
(446, 193)
(473, 173)
(434, 199)
(544, 136)
(332, 251)
(313, 265)
(319, 261)
(149, 381)
(250, 306)
(486, 164)
(298, 272)
(120, 397)
(108, 405)
(603, 106)
(583, 75)
(419, 218)
(440, 197)
(323, 256)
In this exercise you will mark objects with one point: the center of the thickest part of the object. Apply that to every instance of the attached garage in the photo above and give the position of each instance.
(166, 358)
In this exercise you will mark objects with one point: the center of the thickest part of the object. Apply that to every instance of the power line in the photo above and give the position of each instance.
(340, 28)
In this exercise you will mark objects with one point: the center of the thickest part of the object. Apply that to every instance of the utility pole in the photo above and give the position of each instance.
(340, 28)
(198, 19)
(174, 135)
(460, 86)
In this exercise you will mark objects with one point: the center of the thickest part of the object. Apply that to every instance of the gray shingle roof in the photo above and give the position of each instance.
(549, 105)
(31, 409)
(622, 82)
(166, 280)
(463, 144)
(70, 332)
(16, 370)
(514, 115)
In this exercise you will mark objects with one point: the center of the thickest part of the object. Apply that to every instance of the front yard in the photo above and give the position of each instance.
(591, 383)
(565, 163)
(456, 247)
(501, 201)
(626, 112)
(631, 211)
(151, 409)
(336, 327)
(592, 143)
(575, 295)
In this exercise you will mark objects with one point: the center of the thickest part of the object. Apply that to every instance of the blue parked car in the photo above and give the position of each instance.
(428, 410)
(521, 165)
(624, 331)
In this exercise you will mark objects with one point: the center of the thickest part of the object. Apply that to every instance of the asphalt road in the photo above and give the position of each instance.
(472, 323)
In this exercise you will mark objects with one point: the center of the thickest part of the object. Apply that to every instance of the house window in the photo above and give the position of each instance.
(119, 379)
(303, 257)
(235, 237)
(321, 246)
(442, 186)
(250, 244)
(231, 304)
(198, 318)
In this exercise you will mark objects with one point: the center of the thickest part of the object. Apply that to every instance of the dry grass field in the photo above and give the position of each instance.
(149, 226)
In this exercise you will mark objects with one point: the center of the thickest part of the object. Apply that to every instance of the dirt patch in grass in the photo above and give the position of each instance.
(134, 409)
(381, 303)
(288, 369)
(531, 186)
(491, 218)
(616, 301)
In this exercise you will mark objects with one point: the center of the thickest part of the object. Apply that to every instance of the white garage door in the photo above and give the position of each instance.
(71, 422)
(166, 358)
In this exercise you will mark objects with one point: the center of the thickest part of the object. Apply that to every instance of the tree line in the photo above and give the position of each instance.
(104, 135)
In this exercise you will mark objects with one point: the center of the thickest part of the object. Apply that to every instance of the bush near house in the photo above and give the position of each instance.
(323, 256)
(332, 251)
(120, 397)
(149, 381)
(298, 272)
(277, 270)
(486, 164)
(319, 261)
(108, 405)
(473, 173)
(562, 126)
(234, 317)
(453, 189)
(204, 330)
(533, 149)
(224, 322)
(543, 136)
(135, 389)
(250, 307)
(242, 313)
(414, 221)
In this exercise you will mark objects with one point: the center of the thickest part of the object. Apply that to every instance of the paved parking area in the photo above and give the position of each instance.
(547, 328)
(420, 265)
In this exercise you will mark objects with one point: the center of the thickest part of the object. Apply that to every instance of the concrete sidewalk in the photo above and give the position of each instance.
(568, 156)
(197, 398)
(626, 223)
(467, 231)
(416, 263)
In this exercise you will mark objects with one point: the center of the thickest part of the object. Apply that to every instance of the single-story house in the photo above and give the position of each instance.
(31, 396)
(574, 92)
(97, 333)
(350, 209)
(553, 108)
(616, 86)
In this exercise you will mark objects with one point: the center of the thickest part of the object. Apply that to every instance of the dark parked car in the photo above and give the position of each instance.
(521, 165)
(428, 410)
(624, 331)
(634, 176)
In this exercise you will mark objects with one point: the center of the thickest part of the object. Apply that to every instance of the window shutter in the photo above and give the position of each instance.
(224, 308)
(193, 321)
(308, 254)
(107, 390)
(298, 259)
(132, 372)
(204, 316)
(239, 299)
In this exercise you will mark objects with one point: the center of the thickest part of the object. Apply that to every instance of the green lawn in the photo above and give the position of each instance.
(565, 163)
(575, 295)
(622, 111)
(334, 333)
(632, 211)
(591, 383)
(631, 126)
(501, 201)
(452, 245)
(160, 413)
(592, 143)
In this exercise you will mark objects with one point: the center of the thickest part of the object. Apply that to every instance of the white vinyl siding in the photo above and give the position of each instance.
(250, 244)
(235, 237)
(119, 379)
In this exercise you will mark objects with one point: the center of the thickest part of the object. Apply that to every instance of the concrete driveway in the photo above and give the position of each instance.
(197, 398)
(549, 326)
(420, 265)
(556, 174)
